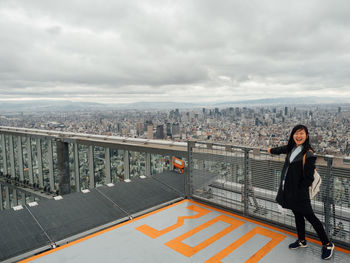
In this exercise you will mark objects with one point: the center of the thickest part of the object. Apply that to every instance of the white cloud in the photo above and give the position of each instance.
(183, 50)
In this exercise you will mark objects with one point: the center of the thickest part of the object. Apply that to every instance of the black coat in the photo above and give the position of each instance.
(295, 195)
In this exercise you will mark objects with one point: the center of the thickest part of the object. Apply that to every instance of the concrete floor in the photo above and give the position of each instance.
(188, 231)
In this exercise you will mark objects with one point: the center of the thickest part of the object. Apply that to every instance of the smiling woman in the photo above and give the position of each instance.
(293, 192)
(300, 136)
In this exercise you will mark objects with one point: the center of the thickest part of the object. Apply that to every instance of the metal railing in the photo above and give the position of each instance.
(35, 164)
(247, 179)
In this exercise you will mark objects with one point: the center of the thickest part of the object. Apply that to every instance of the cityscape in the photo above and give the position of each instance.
(251, 126)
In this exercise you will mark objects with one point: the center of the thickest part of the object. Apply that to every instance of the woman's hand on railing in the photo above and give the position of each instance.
(268, 150)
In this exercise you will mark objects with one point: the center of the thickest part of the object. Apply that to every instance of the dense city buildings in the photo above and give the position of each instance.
(261, 127)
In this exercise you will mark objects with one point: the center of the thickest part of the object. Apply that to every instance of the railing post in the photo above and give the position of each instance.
(246, 182)
(20, 158)
(126, 166)
(63, 167)
(14, 197)
(12, 157)
(328, 198)
(1, 201)
(108, 165)
(171, 165)
(7, 197)
(40, 163)
(91, 166)
(51, 172)
(76, 168)
(23, 198)
(4, 156)
(188, 175)
(30, 161)
(148, 165)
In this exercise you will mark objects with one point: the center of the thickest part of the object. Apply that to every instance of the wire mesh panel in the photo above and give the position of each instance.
(217, 174)
(339, 201)
(264, 173)
(247, 180)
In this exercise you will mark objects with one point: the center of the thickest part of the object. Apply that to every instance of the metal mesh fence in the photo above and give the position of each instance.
(218, 174)
(247, 180)
(239, 178)
(337, 200)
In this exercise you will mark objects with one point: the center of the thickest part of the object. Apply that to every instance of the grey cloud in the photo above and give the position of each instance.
(54, 48)
(55, 30)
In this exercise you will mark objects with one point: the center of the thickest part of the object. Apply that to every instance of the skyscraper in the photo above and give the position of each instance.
(160, 132)
(176, 129)
(168, 129)
(139, 128)
(150, 132)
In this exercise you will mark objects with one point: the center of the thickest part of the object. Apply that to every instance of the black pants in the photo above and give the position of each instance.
(314, 221)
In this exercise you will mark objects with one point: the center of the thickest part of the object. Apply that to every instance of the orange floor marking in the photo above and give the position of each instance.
(154, 233)
(276, 239)
(99, 233)
(162, 209)
(188, 251)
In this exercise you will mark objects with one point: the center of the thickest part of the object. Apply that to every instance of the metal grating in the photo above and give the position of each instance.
(247, 180)
(139, 195)
(77, 214)
(19, 233)
(74, 214)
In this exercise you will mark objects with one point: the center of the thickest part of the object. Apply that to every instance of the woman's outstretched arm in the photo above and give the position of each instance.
(278, 150)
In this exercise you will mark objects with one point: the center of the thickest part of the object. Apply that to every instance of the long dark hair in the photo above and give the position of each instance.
(306, 144)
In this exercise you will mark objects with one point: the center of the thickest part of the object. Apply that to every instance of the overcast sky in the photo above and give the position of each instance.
(184, 50)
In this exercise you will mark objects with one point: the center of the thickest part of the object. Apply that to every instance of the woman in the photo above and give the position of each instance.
(293, 192)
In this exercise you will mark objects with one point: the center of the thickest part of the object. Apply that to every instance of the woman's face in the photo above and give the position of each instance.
(299, 137)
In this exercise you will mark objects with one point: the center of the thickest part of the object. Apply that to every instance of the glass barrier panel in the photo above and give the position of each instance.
(7, 146)
(83, 167)
(71, 167)
(137, 164)
(3, 196)
(99, 166)
(1, 156)
(45, 162)
(54, 164)
(159, 163)
(25, 158)
(35, 162)
(15, 151)
(117, 165)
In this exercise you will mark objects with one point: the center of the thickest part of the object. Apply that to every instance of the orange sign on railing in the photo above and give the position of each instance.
(178, 163)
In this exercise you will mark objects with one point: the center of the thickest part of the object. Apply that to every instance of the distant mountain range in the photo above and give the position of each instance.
(41, 105)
